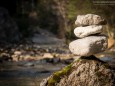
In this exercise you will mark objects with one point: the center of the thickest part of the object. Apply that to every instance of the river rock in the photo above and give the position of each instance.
(88, 30)
(83, 72)
(48, 55)
(89, 19)
(88, 45)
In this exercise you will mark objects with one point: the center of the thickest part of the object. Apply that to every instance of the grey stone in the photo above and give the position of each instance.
(88, 30)
(89, 19)
(88, 45)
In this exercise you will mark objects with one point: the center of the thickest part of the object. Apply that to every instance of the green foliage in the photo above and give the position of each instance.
(77, 7)
(47, 11)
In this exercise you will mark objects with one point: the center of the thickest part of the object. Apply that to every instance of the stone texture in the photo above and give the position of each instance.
(83, 72)
(89, 19)
(88, 45)
(48, 55)
(88, 30)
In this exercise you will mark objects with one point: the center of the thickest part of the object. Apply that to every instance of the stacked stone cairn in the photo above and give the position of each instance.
(90, 40)
(88, 70)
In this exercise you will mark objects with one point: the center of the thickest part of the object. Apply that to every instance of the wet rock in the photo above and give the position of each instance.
(83, 72)
(88, 30)
(17, 52)
(65, 56)
(88, 45)
(48, 55)
(89, 19)
(15, 58)
(5, 57)
(26, 57)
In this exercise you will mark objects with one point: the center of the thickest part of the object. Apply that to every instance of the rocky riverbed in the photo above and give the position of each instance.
(33, 52)
(27, 65)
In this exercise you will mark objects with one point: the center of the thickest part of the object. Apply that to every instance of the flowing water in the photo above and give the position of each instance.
(25, 73)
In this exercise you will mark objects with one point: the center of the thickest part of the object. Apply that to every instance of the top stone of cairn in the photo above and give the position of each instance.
(89, 19)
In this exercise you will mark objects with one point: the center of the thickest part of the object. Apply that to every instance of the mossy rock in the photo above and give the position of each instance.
(86, 71)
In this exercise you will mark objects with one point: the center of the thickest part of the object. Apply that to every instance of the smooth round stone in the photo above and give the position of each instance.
(81, 32)
(89, 45)
(89, 19)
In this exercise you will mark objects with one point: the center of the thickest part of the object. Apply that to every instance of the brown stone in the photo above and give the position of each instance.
(83, 72)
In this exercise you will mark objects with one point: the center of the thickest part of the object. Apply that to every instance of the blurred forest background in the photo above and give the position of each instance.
(57, 16)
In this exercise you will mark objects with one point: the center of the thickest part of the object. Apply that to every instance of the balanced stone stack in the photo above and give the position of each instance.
(89, 30)
(88, 71)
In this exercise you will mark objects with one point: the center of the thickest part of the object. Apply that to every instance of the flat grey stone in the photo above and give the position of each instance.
(88, 45)
(89, 19)
(88, 30)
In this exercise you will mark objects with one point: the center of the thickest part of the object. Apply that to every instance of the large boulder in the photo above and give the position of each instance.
(88, 45)
(9, 32)
(83, 72)
(88, 30)
(89, 19)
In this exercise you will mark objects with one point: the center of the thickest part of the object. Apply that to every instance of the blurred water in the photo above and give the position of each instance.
(31, 73)
(24, 74)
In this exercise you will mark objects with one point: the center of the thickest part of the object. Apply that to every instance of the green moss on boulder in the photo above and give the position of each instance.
(86, 71)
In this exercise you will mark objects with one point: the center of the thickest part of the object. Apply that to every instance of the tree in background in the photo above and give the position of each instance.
(51, 14)
(58, 16)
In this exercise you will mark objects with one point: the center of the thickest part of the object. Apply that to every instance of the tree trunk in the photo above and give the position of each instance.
(59, 10)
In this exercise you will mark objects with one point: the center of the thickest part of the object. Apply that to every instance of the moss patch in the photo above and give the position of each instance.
(57, 75)
(55, 78)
